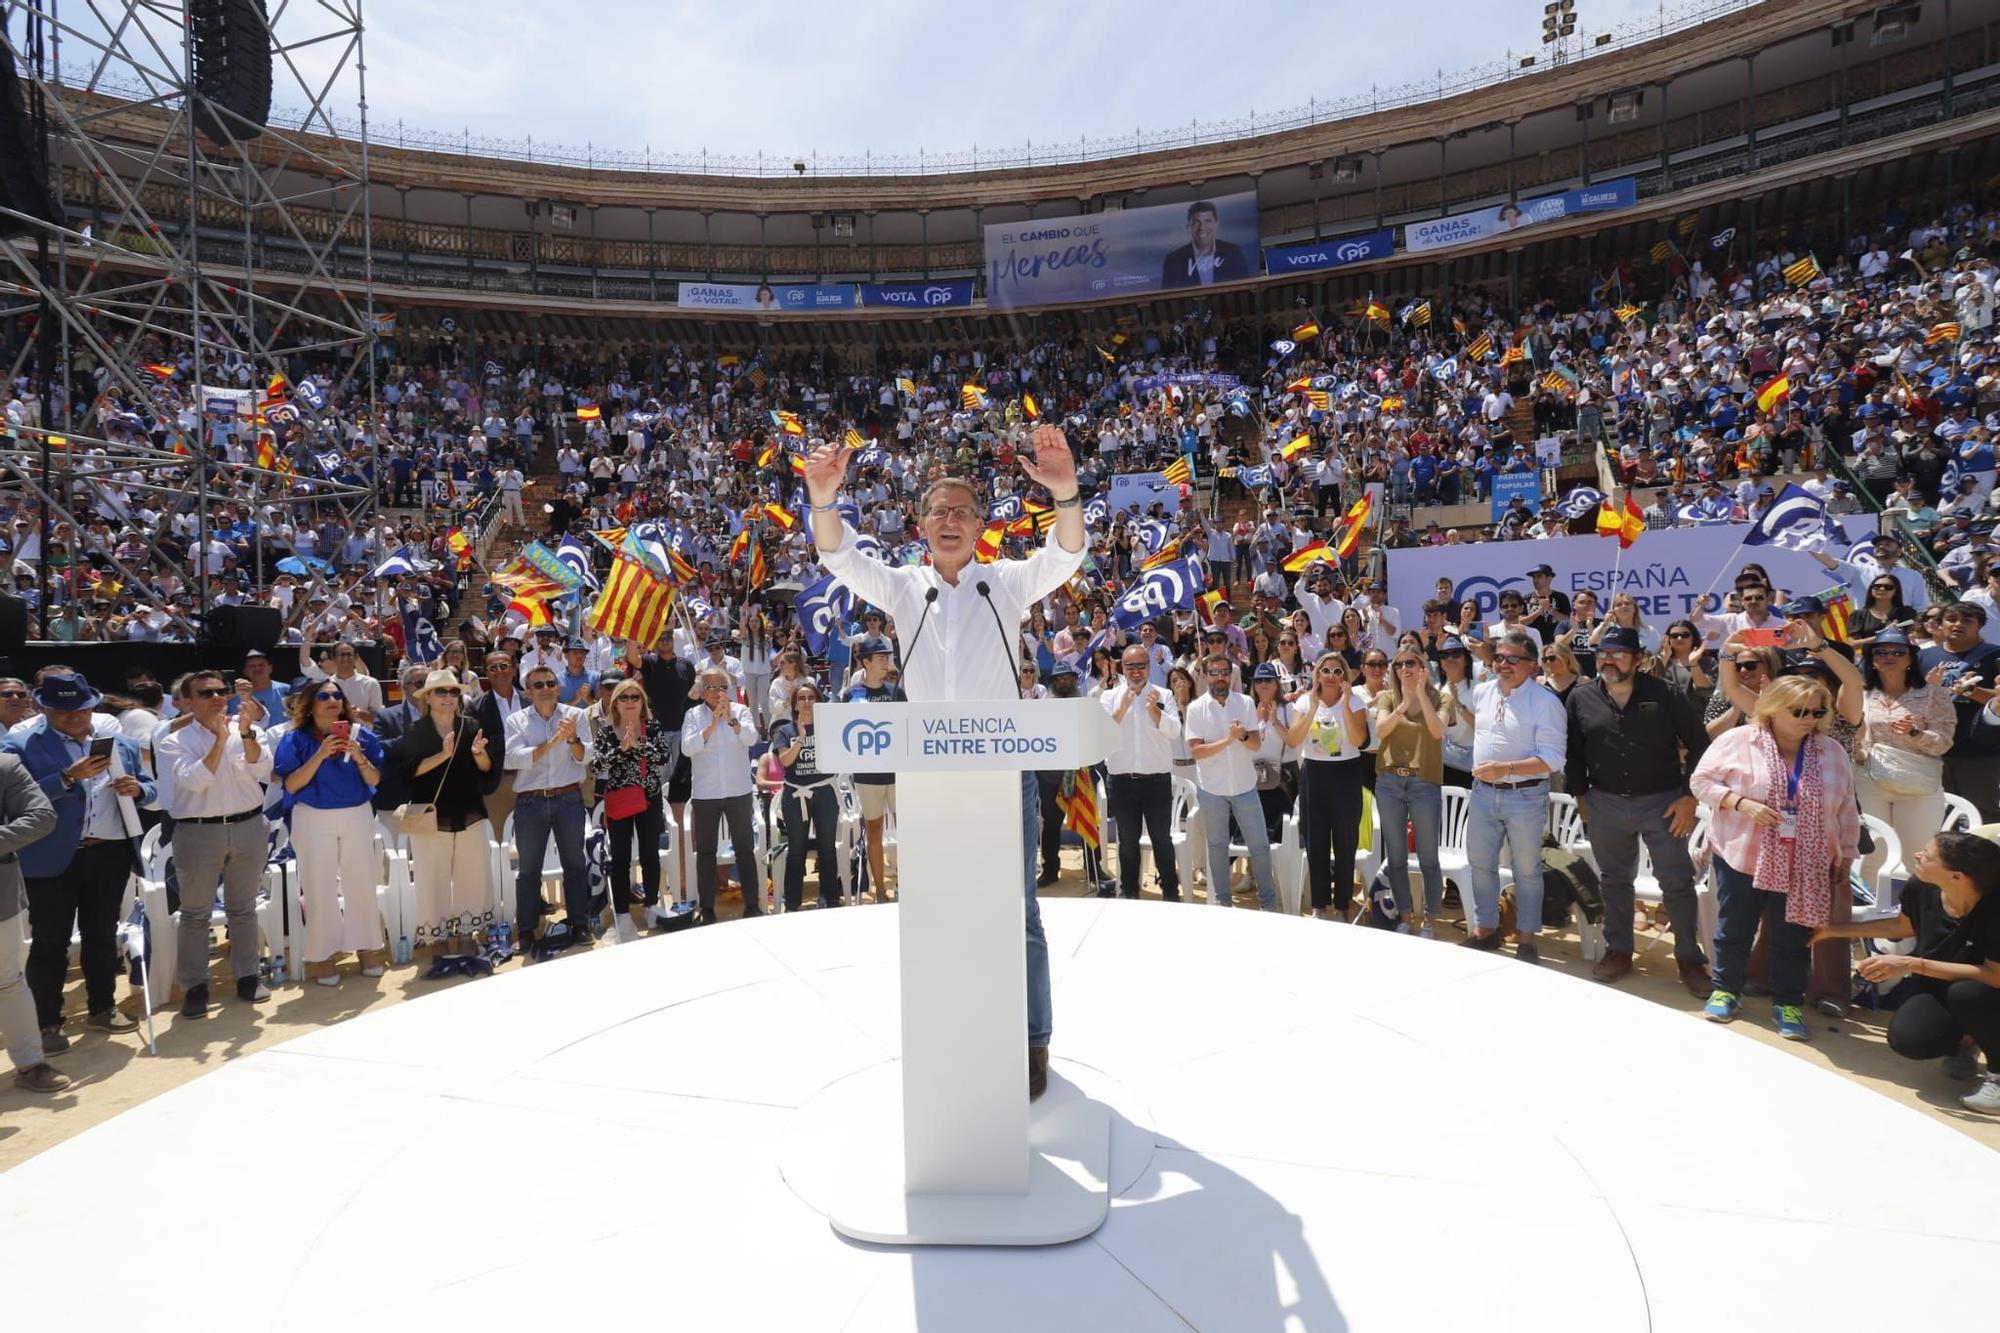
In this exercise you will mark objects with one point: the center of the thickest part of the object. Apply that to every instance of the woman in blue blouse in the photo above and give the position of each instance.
(331, 766)
(630, 749)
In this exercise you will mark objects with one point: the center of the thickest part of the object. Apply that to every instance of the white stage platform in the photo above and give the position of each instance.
(1316, 1128)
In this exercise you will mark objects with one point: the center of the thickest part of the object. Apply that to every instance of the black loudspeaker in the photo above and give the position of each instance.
(24, 163)
(238, 629)
(13, 624)
(232, 68)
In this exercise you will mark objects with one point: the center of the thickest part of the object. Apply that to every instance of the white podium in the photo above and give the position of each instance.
(945, 1148)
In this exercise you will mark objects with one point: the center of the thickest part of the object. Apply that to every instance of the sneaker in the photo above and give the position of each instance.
(53, 1041)
(329, 980)
(195, 1003)
(1791, 1021)
(1986, 1098)
(112, 1020)
(252, 990)
(1722, 1007)
(44, 1078)
(1962, 1068)
(1427, 931)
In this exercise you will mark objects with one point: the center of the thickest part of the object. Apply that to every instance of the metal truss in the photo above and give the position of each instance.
(135, 275)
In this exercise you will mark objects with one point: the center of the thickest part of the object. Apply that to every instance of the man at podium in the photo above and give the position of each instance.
(964, 626)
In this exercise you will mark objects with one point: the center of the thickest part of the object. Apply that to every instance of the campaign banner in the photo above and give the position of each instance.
(1187, 379)
(1138, 492)
(1507, 485)
(1461, 228)
(1334, 252)
(1671, 572)
(918, 295)
(779, 299)
(1089, 257)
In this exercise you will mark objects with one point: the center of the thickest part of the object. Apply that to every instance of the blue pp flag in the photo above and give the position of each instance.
(1171, 587)
(1795, 522)
(823, 609)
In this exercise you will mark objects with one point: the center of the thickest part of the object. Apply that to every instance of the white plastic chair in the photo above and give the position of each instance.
(1960, 815)
(1646, 885)
(1454, 862)
(1177, 838)
(152, 890)
(1888, 886)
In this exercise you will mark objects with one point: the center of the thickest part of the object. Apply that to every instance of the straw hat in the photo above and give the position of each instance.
(441, 679)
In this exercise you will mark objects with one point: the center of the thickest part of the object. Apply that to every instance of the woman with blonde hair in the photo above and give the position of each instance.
(1410, 719)
(444, 765)
(331, 766)
(1784, 833)
(1625, 615)
(791, 664)
(630, 758)
(1330, 722)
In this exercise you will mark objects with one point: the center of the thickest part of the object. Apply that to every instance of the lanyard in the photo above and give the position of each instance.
(1792, 778)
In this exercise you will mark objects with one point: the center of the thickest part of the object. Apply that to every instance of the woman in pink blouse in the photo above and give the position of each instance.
(1900, 773)
(1783, 833)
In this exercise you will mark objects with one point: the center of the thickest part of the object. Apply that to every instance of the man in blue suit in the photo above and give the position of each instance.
(76, 876)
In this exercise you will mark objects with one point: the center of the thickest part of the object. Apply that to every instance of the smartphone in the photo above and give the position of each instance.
(1762, 638)
(343, 729)
(100, 746)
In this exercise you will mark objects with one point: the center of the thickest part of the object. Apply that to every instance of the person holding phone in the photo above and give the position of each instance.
(330, 767)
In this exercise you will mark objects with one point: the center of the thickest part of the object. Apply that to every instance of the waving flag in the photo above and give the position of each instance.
(1356, 520)
(1580, 502)
(906, 385)
(1833, 621)
(1154, 593)
(781, 516)
(636, 601)
(1306, 332)
(1795, 522)
(822, 609)
(1005, 509)
(533, 611)
(1284, 346)
(1774, 393)
(972, 397)
(1255, 478)
(873, 456)
(1699, 515)
(421, 643)
(267, 455)
(1295, 448)
(1030, 409)
(399, 565)
(1445, 371)
(458, 544)
(986, 549)
(1947, 332)
(589, 412)
(313, 394)
(1151, 534)
(545, 562)
(573, 554)
(1627, 313)
(525, 581)
(1179, 472)
(1096, 512)
(1721, 239)
(1480, 348)
(1803, 271)
(1299, 561)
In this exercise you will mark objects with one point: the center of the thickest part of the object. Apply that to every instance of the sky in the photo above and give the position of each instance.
(893, 76)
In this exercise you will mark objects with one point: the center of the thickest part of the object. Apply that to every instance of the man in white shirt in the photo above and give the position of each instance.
(1141, 787)
(1314, 592)
(952, 607)
(1223, 734)
(219, 766)
(719, 659)
(363, 691)
(716, 737)
(1756, 613)
(547, 651)
(547, 746)
(1520, 736)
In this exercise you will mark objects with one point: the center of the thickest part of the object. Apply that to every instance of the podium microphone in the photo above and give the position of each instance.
(1007, 648)
(930, 600)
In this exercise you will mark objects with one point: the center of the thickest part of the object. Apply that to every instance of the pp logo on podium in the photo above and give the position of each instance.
(863, 737)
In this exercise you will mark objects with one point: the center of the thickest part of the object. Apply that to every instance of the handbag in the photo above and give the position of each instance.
(625, 802)
(414, 817)
(1904, 773)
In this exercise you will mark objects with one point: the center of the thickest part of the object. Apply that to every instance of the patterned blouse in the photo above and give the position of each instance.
(613, 766)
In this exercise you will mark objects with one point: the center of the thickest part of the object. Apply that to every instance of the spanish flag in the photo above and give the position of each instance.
(1205, 605)
(987, 549)
(1625, 526)
(1351, 527)
(1295, 448)
(1300, 385)
(767, 455)
(728, 359)
(158, 371)
(758, 571)
(781, 516)
(1299, 561)
(739, 546)
(1774, 393)
(589, 412)
(533, 610)
(799, 464)
(1030, 409)
(459, 544)
(788, 422)
(1306, 332)
(1375, 312)
(1179, 472)
(267, 457)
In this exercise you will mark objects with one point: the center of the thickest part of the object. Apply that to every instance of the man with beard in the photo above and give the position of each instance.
(1633, 740)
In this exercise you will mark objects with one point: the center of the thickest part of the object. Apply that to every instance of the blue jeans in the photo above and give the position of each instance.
(1041, 1010)
(535, 817)
(1249, 812)
(1519, 818)
(1740, 905)
(1417, 805)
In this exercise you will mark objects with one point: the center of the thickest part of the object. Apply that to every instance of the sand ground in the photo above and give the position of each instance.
(115, 1073)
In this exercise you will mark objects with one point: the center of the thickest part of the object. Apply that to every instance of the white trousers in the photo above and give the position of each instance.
(1916, 820)
(18, 1027)
(453, 879)
(338, 878)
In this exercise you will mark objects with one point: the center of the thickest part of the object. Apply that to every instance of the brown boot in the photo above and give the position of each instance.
(1616, 965)
(1695, 977)
(1038, 1071)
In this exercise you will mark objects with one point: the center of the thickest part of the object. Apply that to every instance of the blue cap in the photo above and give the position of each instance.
(1265, 671)
(874, 644)
(66, 693)
(1890, 635)
(576, 646)
(1453, 645)
(1619, 639)
(1063, 667)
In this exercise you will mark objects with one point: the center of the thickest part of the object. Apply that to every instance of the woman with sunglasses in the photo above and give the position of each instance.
(631, 750)
(1882, 607)
(1338, 641)
(1908, 727)
(1784, 833)
(1294, 672)
(1742, 676)
(791, 672)
(1625, 614)
(1277, 779)
(1330, 725)
(442, 762)
(809, 808)
(331, 767)
(1455, 682)
(1560, 671)
(1681, 663)
(1180, 683)
(1410, 721)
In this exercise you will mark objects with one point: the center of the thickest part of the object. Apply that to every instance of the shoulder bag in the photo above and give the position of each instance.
(414, 817)
(625, 802)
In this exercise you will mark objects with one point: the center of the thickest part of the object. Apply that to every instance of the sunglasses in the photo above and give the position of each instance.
(1375, 666)
(549, 685)
(1803, 713)
(1409, 666)
(13, 694)
(210, 692)
(328, 696)
(1891, 650)
(1332, 671)
(1679, 634)
(445, 692)
(1749, 664)
(1514, 659)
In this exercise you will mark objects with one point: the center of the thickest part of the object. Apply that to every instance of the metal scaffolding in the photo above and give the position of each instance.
(121, 273)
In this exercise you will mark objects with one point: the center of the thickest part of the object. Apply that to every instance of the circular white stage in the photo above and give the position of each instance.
(1315, 1128)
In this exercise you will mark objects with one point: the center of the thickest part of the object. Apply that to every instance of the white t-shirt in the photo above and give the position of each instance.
(1330, 724)
(1233, 770)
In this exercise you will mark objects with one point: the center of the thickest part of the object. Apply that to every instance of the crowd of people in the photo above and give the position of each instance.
(1293, 694)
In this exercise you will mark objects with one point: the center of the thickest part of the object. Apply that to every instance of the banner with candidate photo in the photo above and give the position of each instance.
(1464, 228)
(788, 298)
(1096, 256)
